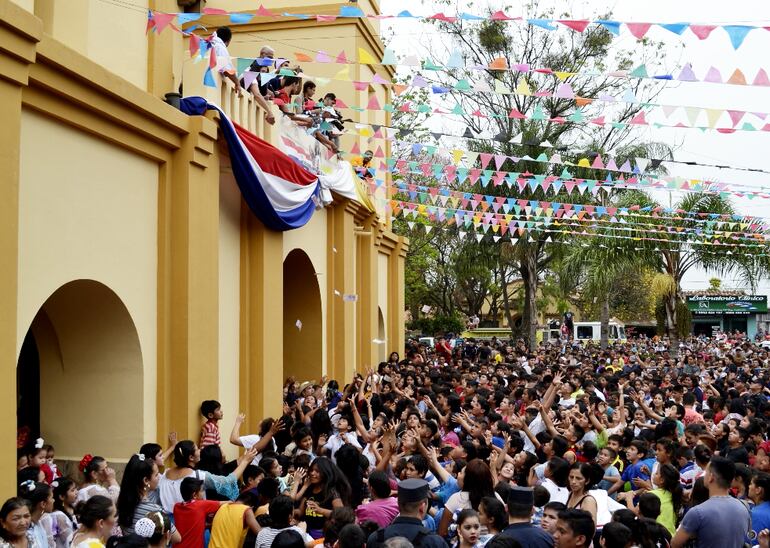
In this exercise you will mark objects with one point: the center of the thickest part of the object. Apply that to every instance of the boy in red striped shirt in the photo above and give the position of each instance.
(212, 411)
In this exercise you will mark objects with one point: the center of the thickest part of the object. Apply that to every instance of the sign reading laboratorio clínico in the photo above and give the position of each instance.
(727, 304)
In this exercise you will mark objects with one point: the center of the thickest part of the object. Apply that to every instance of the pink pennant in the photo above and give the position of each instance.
(598, 164)
(342, 58)
(195, 45)
(485, 159)
(322, 57)
(162, 20)
(356, 149)
(639, 119)
(339, 103)
(264, 12)
(441, 17)
(326, 18)
(564, 92)
(500, 16)
(214, 11)
(668, 110)
(521, 67)
(599, 121)
(360, 86)
(638, 29)
(736, 116)
(713, 75)
(761, 79)
(378, 153)
(500, 160)
(578, 25)
(150, 24)
(702, 31)
(212, 59)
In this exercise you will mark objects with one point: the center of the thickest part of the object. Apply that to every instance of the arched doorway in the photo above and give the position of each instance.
(79, 374)
(382, 347)
(302, 321)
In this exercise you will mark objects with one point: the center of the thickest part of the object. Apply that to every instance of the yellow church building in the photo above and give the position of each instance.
(134, 281)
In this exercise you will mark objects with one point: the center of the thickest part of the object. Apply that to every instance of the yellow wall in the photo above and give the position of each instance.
(109, 33)
(88, 210)
(28, 5)
(229, 301)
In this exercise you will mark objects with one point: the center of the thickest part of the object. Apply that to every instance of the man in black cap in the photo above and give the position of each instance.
(412, 507)
(521, 503)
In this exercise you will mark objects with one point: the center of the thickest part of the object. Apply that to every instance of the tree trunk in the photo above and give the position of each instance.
(604, 329)
(671, 324)
(529, 275)
(506, 301)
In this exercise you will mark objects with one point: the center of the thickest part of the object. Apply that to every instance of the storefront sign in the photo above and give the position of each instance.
(727, 304)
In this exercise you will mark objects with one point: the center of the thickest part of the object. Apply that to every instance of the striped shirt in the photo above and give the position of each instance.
(210, 434)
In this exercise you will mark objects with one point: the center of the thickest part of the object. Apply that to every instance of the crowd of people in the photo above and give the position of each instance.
(465, 444)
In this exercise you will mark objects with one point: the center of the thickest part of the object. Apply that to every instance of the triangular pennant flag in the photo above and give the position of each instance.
(162, 20)
(737, 78)
(639, 119)
(692, 114)
(641, 164)
(761, 78)
(389, 57)
(676, 28)
(302, 57)
(702, 31)
(639, 72)
(208, 79)
(564, 92)
(737, 34)
(264, 12)
(342, 59)
(736, 116)
(322, 57)
(365, 58)
(713, 116)
(713, 75)
(455, 60)
(576, 25)
(687, 74)
(638, 29)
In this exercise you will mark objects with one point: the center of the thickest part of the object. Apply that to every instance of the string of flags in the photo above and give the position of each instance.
(449, 166)
(520, 206)
(736, 33)
(564, 91)
(500, 225)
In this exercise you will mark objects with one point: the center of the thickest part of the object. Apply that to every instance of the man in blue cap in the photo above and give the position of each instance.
(412, 507)
(521, 503)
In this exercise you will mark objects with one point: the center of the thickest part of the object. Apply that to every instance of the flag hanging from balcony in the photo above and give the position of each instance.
(280, 192)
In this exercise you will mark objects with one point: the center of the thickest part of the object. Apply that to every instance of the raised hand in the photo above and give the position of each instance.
(277, 427)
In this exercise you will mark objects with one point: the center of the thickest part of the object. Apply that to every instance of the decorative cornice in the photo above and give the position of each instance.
(20, 31)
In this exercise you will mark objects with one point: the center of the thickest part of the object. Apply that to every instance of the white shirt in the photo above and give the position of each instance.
(337, 441)
(250, 441)
(224, 64)
(558, 494)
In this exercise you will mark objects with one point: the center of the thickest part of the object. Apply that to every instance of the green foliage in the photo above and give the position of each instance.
(683, 319)
(438, 325)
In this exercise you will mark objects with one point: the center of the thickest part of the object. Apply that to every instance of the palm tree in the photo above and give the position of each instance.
(680, 232)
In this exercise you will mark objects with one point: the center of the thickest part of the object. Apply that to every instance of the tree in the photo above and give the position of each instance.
(715, 284)
(553, 121)
(690, 235)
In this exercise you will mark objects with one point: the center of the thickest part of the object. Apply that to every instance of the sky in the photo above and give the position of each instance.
(740, 149)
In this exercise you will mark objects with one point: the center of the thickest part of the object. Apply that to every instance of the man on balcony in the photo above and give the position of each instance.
(219, 41)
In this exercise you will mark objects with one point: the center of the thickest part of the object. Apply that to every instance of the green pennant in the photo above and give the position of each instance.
(430, 149)
(542, 158)
(242, 65)
(748, 127)
(286, 72)
(428, 65)
(576, 116)
(462, 85)
(565, 174)
(423, 108)
(539, 114)
(639, 72)
(457, 109)
(619, 125)
(388, 108)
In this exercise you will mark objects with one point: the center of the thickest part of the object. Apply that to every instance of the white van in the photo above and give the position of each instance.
(591, 331)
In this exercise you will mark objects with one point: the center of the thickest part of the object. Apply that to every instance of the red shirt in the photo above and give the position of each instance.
(190, 521)
(210, 434)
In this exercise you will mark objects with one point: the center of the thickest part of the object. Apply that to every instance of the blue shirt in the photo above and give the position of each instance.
(633, 471)
(720, 522)
(760, 517)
